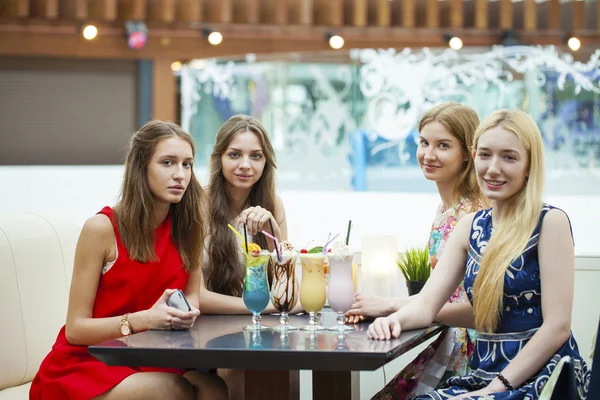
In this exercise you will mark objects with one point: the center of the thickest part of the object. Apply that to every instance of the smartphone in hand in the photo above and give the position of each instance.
(177, 300)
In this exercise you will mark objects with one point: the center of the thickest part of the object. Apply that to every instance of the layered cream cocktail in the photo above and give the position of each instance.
(285, 290)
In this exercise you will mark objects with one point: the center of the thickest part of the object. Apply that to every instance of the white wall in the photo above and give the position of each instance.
(78, 192)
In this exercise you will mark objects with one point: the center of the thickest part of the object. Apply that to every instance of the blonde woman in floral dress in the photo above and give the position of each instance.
(446, 133)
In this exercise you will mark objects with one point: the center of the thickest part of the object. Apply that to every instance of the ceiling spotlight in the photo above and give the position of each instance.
(454, 42)
(215, 38)
(89, 32)
(335, 41)
(137, 34)
(574, 43)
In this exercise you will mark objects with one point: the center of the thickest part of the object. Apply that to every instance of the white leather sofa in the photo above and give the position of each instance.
(36, 263)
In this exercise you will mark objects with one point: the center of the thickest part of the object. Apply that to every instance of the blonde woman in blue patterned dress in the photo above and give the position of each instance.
(517, 261)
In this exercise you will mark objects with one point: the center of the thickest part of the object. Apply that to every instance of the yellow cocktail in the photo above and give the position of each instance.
(312, 288)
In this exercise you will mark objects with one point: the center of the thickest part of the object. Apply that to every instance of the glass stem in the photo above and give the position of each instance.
(256, 338)
(340, 319)
(312, 318)
(256, 320)
(285, 340)
(284, 319)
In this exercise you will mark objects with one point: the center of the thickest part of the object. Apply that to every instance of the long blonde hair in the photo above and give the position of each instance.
(225, 275)
(135, 212)
(520, 217)
(461, 122)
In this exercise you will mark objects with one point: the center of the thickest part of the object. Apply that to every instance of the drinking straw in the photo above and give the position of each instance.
(276, 244)
(234, 231)
(246, 237)
(271, 225)
(328, 242)
(348, 234)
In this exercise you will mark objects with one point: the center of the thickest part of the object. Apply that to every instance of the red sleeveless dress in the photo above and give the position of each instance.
(69, 371)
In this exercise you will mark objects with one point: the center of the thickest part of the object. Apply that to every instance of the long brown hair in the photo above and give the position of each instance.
(135, 210)
(519, 219)
(461, 122)
(225, 274)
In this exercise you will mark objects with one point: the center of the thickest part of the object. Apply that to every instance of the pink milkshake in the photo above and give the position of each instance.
(340, 290)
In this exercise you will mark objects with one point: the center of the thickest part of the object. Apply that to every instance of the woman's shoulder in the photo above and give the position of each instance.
(467, 219)
(554, 217)
(98, 228)
(279, 211)
(278, 202)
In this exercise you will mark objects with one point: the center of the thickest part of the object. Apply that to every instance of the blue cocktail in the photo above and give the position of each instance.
(256, 294)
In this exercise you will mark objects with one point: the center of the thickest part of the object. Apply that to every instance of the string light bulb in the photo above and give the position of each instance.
(335, 41)
(215, 38)
(89, 32)
(455, 43)
(574, 43)
(176, 66)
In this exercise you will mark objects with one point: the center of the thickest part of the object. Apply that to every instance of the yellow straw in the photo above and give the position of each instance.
(236, 232)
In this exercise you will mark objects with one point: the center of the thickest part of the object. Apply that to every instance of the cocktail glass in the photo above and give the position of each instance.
(284, 291)
(340, 291)
(312, 288)
(256, 287)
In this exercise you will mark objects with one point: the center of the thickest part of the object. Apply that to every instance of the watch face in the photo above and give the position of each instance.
(125, 330)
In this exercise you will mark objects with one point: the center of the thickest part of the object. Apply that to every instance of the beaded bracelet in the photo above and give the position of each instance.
(505, 382)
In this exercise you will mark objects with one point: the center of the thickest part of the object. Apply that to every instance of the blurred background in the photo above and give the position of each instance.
(339, 84)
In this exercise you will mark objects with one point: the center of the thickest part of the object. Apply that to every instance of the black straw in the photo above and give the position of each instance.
(271, 225)
(246, 237)
(348, 234)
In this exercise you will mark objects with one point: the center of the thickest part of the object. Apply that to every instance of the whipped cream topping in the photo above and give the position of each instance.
(287, 251)
(285, 245)
(339, 251)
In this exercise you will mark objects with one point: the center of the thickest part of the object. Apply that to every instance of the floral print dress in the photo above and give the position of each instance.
(449, 354)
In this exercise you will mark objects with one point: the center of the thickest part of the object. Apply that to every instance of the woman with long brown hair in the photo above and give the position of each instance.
(128, 261)
(517, 261)
(241, 192)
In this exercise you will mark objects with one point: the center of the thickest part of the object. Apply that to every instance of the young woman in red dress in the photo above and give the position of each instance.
(128, 261)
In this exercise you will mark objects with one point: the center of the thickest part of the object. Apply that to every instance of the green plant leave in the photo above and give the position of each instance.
(414, 264)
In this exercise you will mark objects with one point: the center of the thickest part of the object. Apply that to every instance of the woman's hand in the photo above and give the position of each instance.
(368, 305)
(255, 219)
(185, 323)
(495, 386)
(163, 317)
(481, 392)
(384, 328)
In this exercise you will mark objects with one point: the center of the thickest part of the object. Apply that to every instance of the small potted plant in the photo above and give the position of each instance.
(414, 264)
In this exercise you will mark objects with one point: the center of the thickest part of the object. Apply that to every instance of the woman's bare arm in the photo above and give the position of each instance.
(444, 279)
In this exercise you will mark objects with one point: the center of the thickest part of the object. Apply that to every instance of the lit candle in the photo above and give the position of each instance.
(380, 274)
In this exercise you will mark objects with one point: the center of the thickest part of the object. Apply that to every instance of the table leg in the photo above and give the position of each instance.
(276, 385)
(343, 385)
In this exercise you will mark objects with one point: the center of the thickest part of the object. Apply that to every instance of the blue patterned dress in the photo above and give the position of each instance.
(520, 320)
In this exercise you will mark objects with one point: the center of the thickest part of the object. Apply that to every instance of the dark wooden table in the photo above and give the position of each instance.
(271, 361)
